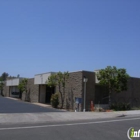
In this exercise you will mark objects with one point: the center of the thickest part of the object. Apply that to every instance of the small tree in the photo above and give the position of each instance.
(4, 76)
(55, 100)
(23, 87)
(115, 79)
(59, 79)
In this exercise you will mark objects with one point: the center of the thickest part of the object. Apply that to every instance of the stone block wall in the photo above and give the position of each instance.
(132, 95)
(90, 88)
(6, 91)
(33, 92)
(73, 89)
(101, 94)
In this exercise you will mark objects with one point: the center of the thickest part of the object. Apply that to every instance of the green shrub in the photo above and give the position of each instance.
(120, 106)
(55, 100)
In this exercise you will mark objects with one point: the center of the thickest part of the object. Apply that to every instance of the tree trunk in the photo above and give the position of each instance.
(110, 91)
(61, 97)
(109, 98)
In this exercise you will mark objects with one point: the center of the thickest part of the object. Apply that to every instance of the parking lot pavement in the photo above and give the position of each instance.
(16, 106)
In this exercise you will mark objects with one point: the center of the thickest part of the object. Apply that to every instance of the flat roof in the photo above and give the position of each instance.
(81, 71)
(16, 78)
(45, 73)
(65, 71)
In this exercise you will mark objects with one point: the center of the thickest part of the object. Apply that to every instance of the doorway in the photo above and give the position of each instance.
(49, 92)
(45, 93)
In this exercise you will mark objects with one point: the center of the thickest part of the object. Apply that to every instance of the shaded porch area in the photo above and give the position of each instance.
(45, 93)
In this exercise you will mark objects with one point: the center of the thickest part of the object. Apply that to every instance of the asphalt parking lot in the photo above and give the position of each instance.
(17, 106)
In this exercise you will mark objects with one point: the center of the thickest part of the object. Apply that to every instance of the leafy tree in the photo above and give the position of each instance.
(115, 79)
(59, 79)
(4, 76)
(23, 85)
(23, 88)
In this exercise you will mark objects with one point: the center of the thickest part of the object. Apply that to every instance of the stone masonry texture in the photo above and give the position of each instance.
(32, 94)
(90, 88)
(131, 96)
(6, 90)
(75, 88)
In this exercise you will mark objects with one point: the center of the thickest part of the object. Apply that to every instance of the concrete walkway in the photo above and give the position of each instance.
(16, 118)
(38, 104)
(42, 105)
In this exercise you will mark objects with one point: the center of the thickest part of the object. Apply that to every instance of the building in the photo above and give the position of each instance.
(38, 91)
(13, 87)
(45, 92)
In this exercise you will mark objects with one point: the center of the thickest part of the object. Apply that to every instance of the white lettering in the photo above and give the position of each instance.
(135, 134)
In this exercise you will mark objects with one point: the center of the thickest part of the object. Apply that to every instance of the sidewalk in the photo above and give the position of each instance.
(39, 104)
(42, 105)
(13, 98)
(60, 116)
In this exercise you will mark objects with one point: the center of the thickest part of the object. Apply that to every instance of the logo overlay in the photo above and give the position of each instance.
(131, 133)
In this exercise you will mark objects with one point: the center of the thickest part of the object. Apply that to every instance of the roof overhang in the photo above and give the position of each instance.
(13, 82)
(41, 79)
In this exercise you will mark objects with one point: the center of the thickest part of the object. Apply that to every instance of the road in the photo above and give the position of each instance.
(99, 129)
(17, 106)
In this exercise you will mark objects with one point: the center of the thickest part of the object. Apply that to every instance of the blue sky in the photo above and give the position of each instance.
(38, 36)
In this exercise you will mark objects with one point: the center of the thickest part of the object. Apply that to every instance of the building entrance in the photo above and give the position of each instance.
(45, 93)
